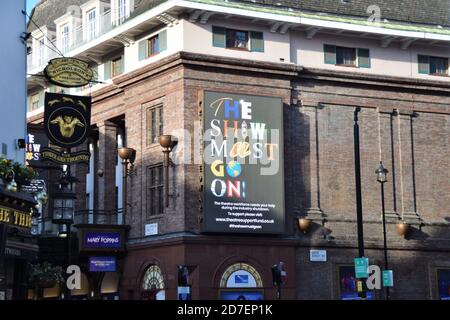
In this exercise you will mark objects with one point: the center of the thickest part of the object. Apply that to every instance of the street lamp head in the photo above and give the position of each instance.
(127, 154)
(63, 203)
(381, 173)
(167, 141)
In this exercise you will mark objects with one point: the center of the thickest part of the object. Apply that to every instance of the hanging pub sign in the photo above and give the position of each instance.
(243, 164)
(63, 158)
(67, 119)
(68, 72)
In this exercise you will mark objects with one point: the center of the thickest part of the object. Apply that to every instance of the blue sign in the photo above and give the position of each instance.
(184, 293)
(108, 240)
(241, 295)
(102, 264)
(241, 278)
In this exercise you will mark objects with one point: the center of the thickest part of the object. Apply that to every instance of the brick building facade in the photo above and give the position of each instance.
(404, 122)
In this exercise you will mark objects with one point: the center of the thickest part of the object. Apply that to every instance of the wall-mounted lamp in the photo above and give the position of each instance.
(167, 142)
(402, 228)
(21, 144)
(304, 224)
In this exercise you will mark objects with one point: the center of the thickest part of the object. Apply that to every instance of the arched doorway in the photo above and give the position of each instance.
(153, 284)
(241, 281)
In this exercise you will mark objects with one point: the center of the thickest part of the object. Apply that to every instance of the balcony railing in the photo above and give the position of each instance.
(113, 217)
(78, 37)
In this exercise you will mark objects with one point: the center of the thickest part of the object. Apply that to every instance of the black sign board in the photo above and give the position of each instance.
(65, 158)
(36, 140)
(34, 186)
(67, 119)
(243, 164)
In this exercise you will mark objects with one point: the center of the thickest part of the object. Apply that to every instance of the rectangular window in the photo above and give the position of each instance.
(438, 66)
(155, 203)
(34, 102)
(121, 10)
(153, 46)
(65, 38)
(116, 66)
(91, 30)
(237, 39)
(347, 57)
(41, 51)
(155, 125)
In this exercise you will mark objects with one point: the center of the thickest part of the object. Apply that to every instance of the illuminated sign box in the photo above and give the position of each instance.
(102, 264)
(243, 164)
(98, 239)
(101, 239)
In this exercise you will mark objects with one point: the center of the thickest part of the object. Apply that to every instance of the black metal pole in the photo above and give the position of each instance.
(388, 297)
(359, 214)
(124, 190)
(166, 177)
(69, 246)
(69, 255)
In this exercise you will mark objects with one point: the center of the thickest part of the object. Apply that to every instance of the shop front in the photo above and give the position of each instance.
(17, 246)
(101, 253)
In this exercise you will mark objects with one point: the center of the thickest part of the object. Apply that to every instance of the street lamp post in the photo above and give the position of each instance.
(382, 172)
(359, 213)
(63, 212)
(128, 155)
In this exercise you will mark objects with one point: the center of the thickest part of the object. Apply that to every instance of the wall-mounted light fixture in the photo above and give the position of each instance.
(402, 228)
(304, 224)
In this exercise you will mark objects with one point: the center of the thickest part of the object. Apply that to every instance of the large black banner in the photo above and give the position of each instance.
(67, 119)
(243, 164)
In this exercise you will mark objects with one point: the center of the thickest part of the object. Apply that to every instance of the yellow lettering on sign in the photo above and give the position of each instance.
(28, 221)
(16, 218)
(241, 149)
(4, 215)
(19, 218)
(217, 168)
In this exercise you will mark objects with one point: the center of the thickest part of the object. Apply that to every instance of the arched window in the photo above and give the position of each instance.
(241, 275)
(153, 279)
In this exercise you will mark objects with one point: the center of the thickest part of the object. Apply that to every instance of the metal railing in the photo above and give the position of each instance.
(114, 217)
(79, 36)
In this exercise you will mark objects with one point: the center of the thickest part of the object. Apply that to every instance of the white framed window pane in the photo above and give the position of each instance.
(91, 24)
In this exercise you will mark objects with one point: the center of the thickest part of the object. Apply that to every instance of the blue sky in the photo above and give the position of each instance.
(31, 4)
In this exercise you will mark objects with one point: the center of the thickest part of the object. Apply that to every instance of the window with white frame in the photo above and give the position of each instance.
(91, 30)
(122, 14)
(40, 50)
(34, 102)
(65, 38)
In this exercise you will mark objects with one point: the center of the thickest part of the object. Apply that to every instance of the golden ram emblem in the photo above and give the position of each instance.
(67, 125)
